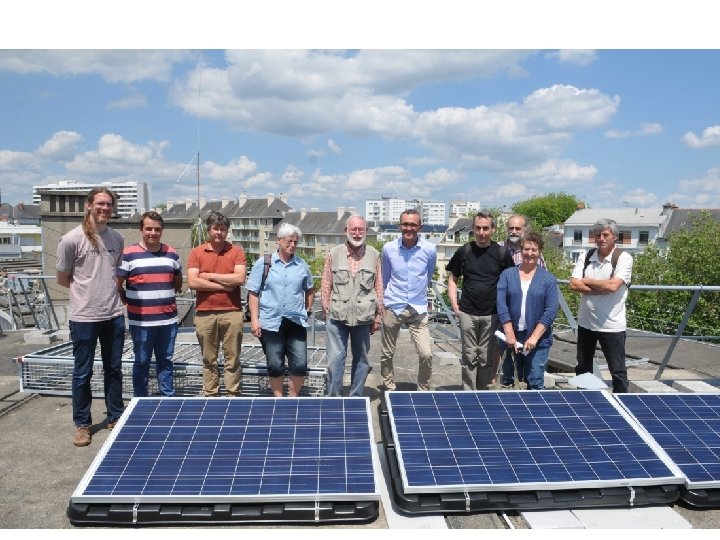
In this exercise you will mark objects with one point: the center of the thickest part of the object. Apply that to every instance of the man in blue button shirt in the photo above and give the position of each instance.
(407, 269)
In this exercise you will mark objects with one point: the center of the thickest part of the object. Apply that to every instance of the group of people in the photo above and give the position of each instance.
(503, 286)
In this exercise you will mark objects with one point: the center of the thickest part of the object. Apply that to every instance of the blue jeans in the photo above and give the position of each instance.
(290, 340)
(85, 336)
(146, 341)
(530, 367)
(337, 335)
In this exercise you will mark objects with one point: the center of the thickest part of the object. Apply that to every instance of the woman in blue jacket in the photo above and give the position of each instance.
(527, 302)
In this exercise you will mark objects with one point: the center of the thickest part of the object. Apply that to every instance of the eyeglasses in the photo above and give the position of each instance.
(410, 225)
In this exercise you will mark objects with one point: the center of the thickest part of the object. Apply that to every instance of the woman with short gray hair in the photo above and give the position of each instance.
(280, 303)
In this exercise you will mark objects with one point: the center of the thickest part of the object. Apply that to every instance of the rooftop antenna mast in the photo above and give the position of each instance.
(198, 232)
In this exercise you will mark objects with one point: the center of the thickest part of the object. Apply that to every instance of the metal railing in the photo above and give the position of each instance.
(30, 292)
(441, 307)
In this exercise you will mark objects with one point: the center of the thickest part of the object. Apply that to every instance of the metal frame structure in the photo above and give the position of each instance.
(49, 371)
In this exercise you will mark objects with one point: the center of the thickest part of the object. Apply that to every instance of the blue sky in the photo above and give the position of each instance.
(332, 127)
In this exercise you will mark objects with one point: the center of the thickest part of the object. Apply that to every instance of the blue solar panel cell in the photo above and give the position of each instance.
(482, 441)
(686, 427)
(220, 450)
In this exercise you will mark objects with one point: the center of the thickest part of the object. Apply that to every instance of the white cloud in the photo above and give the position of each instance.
(61, 146)
(710, 137)
(112, 65)
(136, 100)
(334, 147)
(581, 57)
(700, 192)
(556, 173)
(639, 198)
(645, 130)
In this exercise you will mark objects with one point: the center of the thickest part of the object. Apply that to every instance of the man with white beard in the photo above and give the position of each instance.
(352, 299)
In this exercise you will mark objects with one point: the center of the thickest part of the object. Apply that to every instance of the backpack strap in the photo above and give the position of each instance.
(266, 271)
(467, 250)
(587, 259)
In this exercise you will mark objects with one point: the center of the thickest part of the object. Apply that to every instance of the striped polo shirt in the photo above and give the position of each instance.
(149, 285)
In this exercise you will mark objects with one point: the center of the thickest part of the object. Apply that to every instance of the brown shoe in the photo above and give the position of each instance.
(111, 425)
(82, 436)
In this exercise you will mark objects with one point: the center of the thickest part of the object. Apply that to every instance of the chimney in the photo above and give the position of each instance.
(270, 198)
(303, 213)
(225, 202)
(170, 205)
(188, 204)
(242, 199)
(340, 212)
(202, 203)
(284, 198)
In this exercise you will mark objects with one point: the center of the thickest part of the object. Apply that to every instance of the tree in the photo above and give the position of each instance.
(545, 210)
(691, 258)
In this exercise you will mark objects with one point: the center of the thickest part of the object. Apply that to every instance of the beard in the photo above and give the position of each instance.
(353, 242)
(513, 238)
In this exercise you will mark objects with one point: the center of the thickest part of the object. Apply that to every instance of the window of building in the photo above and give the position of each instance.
(577, 236)
(644, 238)
(575, 256)
(625, 237)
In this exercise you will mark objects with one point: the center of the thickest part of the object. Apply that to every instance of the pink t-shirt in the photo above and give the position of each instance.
(93, 286)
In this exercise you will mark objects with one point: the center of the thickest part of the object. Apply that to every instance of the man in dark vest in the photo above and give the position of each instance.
(352, 299)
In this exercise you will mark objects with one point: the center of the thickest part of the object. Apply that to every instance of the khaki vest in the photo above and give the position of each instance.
(353, 300)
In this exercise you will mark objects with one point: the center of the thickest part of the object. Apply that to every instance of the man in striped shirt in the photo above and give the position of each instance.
(147, 279)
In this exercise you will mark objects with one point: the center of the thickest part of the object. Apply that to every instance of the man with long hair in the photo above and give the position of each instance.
(88, 257)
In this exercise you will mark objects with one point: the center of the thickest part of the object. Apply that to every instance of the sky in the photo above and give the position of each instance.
(331, 126)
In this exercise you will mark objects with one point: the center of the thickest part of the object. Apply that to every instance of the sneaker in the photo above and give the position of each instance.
(82, 436)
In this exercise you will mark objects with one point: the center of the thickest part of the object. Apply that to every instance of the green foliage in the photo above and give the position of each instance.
(545, 210)
(691, 258)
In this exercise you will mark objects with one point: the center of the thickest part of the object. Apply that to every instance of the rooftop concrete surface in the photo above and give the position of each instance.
(40, 468)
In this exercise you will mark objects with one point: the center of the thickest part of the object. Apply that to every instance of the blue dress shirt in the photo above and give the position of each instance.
(407, 274)
(284, 292)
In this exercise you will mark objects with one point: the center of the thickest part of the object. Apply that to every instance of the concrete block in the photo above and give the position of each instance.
(651, 517)
(36, 337)
(694, 386)
(446, 358)
(552, 519)
(650, 387)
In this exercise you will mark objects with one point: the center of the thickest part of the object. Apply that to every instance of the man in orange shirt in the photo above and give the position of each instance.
(216, 270)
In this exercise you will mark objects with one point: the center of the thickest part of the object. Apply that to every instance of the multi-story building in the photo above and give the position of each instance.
(460, 209)
(133, 197)
(388, 210)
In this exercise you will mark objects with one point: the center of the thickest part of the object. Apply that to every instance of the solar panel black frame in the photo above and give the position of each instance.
(162, 463)
(687, 427)
(449, 498)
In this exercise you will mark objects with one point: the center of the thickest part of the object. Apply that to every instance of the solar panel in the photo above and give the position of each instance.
(235, 450)
(686, 427)
(449, 442)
